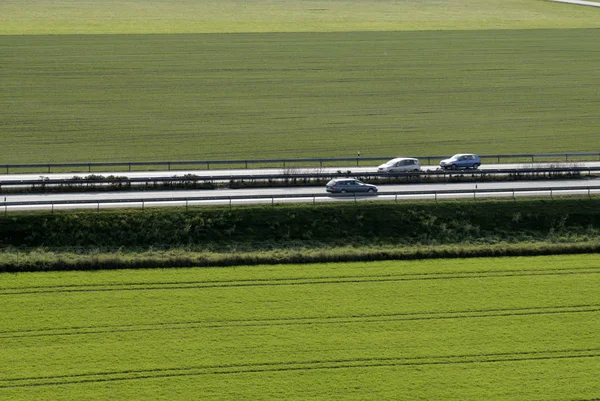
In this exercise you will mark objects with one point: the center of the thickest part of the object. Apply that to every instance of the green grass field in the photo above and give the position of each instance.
(493, 329)
(42, 17)
(285, 79)
(195, 97)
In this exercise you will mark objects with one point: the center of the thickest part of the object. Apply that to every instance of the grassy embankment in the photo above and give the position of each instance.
(296, 234)
(479, 329)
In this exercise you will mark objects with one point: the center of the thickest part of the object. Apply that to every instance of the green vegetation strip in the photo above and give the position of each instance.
(209, 16)
(472, 329)
(220, 236)
(287, 95)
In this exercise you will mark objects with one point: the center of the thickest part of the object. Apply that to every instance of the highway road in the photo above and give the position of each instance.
(139, 199)
(281, 194)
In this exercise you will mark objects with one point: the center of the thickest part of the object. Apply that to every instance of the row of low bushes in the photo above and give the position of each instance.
(40, 259)
(100, 183)
(217, 236)
(428, 223)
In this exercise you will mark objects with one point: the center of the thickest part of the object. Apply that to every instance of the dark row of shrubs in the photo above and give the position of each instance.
(118, 183)
(38, 260)
(429, 223)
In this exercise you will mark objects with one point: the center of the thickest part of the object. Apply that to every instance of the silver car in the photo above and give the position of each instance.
(399, 165)
(461, 160)
(344, 185)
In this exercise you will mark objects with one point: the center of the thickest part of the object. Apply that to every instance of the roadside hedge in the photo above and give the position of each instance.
(448, 222)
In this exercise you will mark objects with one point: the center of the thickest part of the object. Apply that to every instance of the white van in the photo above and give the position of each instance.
(400, 165)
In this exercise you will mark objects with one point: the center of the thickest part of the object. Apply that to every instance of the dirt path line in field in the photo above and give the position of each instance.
(581, 2)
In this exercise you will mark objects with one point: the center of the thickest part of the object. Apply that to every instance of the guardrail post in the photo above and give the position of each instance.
(230, 203)
(589, 193)
(515, 199)
(396, 198)
(169, 166)
(186, 203)
(435, 196)
(246, 164)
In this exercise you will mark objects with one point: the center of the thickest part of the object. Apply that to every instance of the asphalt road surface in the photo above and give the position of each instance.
(305, 194)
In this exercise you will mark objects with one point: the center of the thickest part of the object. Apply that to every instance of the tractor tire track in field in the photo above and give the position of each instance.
(293, 281)
(321, 320)
(287, 366)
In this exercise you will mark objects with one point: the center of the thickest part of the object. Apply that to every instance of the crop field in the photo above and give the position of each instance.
(50, 17)
(196, 97)
(493, 329)
(84, 81)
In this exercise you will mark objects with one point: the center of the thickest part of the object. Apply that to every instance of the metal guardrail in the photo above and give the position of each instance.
(434, 193)
(291, 176)
(284, 162)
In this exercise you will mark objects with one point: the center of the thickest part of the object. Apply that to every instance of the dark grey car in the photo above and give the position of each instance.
(344, 185)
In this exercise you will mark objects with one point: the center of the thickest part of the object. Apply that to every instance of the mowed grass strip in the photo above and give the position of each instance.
(209, 16)
(250, 96)
(496, 329)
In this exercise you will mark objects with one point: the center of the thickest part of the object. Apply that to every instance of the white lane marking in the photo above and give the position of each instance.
(580, 2)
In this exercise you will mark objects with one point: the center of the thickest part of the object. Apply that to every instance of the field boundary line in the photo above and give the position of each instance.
(316, 320)
(302, 281)
(286, 366)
